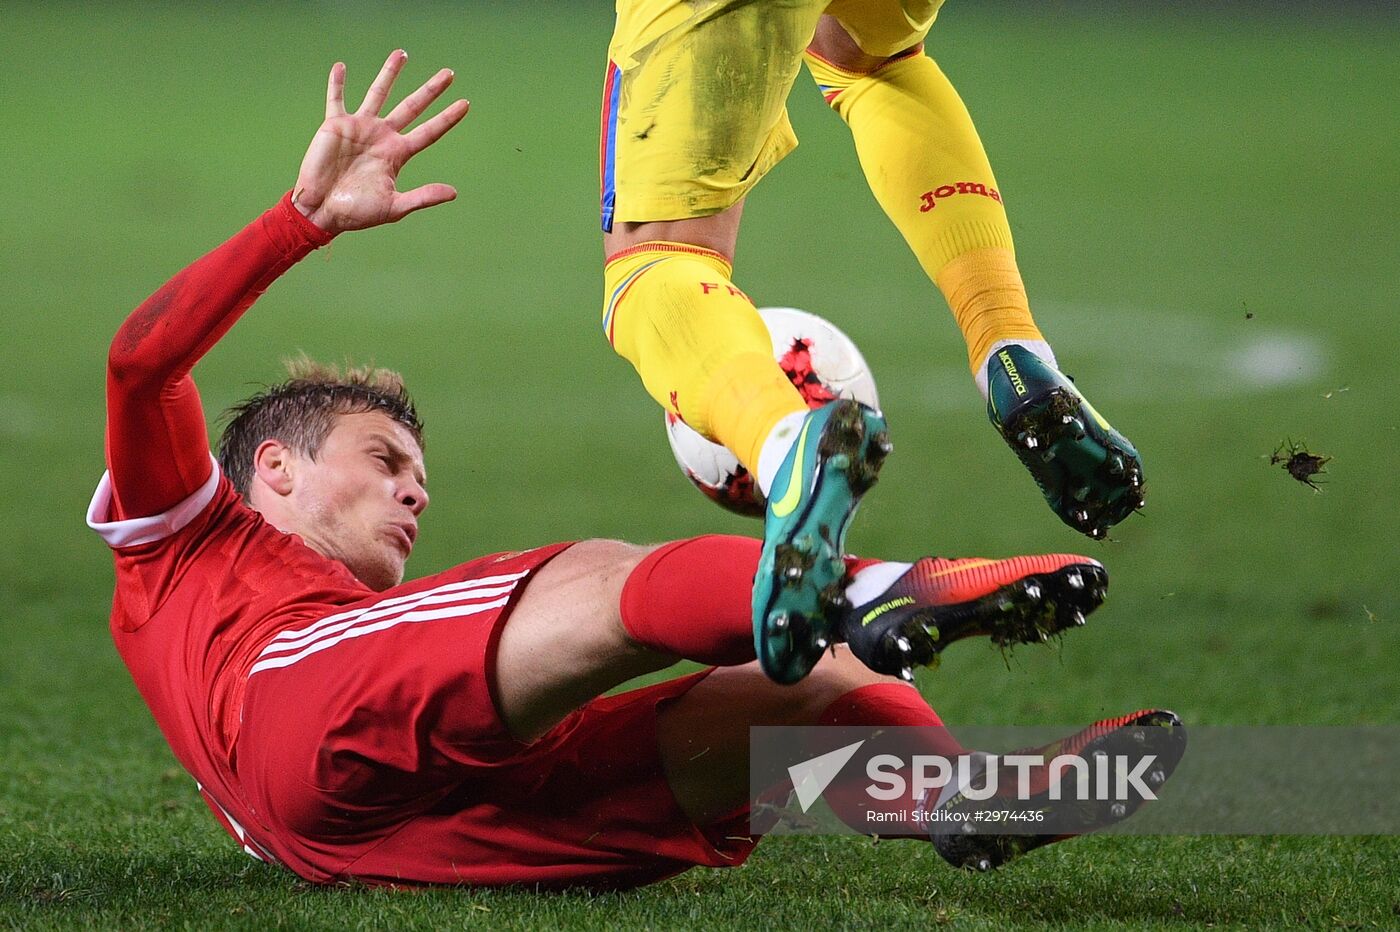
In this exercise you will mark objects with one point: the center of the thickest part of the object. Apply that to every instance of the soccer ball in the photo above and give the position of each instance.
(824, 365)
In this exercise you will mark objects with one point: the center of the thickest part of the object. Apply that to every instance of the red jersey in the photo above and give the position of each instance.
(209, 594)
(202, 581)
(194, 608)
(328, 726)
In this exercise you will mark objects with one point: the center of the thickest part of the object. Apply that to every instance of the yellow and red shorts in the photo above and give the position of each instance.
(695, 99)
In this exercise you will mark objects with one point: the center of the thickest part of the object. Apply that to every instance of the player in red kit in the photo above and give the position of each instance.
(449, 730)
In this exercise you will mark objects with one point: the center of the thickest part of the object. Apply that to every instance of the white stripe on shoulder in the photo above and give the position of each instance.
(133, 531)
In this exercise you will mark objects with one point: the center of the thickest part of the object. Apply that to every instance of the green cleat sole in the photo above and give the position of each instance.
(798, 590)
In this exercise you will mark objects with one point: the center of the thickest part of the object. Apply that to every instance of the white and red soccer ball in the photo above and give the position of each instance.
(820, 360)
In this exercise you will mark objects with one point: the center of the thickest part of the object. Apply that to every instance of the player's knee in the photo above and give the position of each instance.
(589, 577)
(611, 557)
(834, 44)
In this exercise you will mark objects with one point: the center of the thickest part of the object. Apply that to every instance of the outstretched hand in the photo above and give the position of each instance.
(348, 179)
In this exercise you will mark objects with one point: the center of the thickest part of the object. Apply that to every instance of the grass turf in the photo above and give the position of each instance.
(1201, 202)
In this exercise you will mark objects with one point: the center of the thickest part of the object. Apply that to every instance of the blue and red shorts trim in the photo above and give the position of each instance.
(607, 154)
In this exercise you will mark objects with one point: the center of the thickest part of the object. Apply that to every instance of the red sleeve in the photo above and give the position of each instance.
(157, 441)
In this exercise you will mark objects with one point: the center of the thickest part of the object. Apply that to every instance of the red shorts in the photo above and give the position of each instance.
(371, 749)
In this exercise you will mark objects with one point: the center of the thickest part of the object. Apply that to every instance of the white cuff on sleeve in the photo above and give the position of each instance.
(133, 531)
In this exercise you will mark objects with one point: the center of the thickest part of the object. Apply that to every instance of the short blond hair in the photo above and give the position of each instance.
(302, 411)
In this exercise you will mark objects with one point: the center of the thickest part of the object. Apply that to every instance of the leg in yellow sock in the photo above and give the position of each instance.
(928, 170)
(698, 344)
(703, 352)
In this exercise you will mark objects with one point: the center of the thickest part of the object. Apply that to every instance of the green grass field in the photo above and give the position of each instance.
(1168, 174)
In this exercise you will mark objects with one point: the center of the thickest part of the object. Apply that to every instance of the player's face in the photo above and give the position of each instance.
(359, 500)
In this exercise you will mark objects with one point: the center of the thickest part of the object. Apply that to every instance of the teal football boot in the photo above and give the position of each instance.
(798, 591)
(1090, 474)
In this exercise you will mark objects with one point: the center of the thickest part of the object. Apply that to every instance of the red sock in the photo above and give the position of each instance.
(691, 598)
(886, 704)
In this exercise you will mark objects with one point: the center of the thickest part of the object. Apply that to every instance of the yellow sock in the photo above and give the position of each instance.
(983, 287)
(928, 170)
(698, 343)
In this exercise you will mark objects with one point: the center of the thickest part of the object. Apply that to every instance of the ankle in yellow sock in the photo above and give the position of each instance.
(988, 299)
